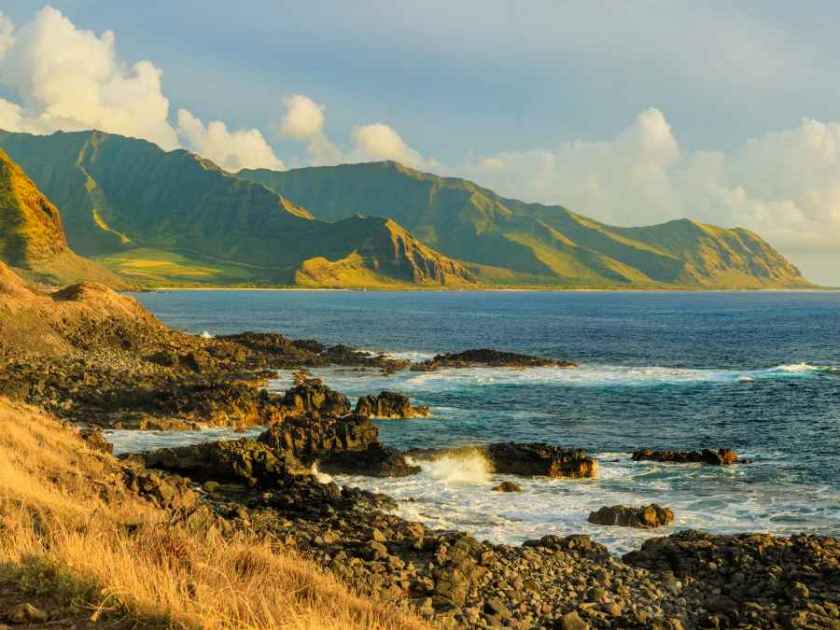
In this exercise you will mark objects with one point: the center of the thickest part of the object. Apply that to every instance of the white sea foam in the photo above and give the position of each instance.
(470, 468)
(415, 356)
(355, 382)
(130, 441)
(320, 476)
(715, 499)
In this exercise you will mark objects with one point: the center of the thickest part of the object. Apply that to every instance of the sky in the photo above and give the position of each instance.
(629, 112)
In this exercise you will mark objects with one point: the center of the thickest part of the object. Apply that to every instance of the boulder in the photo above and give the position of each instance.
(389, 405)
(245, 461)
(486, 357)
(311, 437)
(720, 457)
(511, 458)
(523, 459)
(312, 395)
(375, 461)
(645, 517)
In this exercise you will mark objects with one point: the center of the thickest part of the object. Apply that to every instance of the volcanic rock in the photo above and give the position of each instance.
(486, 357)
(646, 517)
(720, 457)
(389, 405)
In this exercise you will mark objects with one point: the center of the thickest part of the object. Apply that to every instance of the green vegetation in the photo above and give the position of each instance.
(32, 235)
(177, 219)
(173, 218)
(537, 244)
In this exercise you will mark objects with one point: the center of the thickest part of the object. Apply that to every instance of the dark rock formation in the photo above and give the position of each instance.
(721, 457)
(645, 517)
(244, 461)
(524, 459)
(375, 461)
(311, 396)
(510, 458)
(389, 405)
(311, 437)
(485, 357)
(508, 486)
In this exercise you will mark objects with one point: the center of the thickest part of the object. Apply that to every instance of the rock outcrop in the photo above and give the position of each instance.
(537, 459)
(720, 457)
(523, 459)
(645, 517)
(389, 405)
(486, 357)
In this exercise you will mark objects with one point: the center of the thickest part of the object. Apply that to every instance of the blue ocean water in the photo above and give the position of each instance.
(757, 372)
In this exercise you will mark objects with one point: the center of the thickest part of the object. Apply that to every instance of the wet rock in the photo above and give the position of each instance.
(389, 405)
(510, 458)
(374, 461)
(645, 517)
(485, 357)
(508, 486)
(720, 457)
(523, 459)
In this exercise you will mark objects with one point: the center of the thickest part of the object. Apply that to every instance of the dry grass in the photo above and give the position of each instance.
(69, 530)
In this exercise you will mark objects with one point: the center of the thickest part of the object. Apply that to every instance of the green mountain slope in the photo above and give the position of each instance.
(32, 235)
(175, 218)
(512, 242)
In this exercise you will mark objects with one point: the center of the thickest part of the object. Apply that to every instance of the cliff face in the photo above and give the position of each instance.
(32, 236)
(517, 242)
(30, 226)
(136, 206)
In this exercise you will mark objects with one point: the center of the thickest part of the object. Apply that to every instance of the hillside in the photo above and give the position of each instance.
(513, 242)
(32, 235)
(175, 218)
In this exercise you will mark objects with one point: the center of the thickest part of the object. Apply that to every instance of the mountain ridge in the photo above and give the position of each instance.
(122, 196)
(547, 243)
(177, 219)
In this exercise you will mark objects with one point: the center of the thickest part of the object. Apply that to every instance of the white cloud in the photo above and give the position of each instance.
(71, 79)
(304, 118)
(67, 78)
(304, 121)
(232, 150)
(378, 141)
(784, 185)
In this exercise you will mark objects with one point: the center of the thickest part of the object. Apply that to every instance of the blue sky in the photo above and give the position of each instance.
(628, 111)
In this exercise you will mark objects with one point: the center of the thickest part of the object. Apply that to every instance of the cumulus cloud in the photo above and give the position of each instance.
(68, 79)
(784, 185)
(304, 121)
(232, 150)
(379, 141)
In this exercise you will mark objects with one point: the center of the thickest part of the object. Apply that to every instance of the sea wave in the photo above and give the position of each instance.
(587, 375)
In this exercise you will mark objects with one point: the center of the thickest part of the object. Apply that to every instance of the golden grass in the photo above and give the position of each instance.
(69, 529)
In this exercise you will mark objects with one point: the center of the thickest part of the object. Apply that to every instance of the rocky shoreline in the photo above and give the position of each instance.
(120, 368)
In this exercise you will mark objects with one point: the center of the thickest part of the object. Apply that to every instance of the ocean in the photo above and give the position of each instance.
(756, 372)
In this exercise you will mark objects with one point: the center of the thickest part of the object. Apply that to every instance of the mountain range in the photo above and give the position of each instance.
(174, 218)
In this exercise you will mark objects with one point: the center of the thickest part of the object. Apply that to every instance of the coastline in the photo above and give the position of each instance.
(102, 362)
